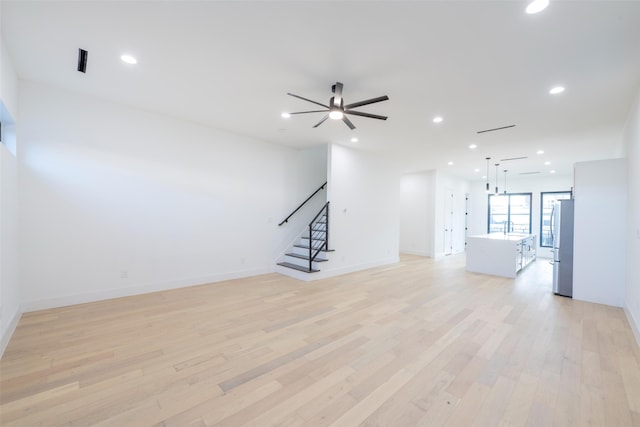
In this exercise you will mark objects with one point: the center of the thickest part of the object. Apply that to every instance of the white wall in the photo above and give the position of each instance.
(417, 213)
(118, 201)
(600, 224)
(9, 287)
(632, 291)
(364, 190)
(532, 184)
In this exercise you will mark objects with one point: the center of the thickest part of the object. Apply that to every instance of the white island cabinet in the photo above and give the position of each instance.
(500, 254)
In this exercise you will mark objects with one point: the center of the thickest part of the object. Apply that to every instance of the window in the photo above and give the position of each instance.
(7, 129)
(509, 213)
(547, 199)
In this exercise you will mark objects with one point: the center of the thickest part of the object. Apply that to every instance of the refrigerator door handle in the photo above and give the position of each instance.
(553, 211)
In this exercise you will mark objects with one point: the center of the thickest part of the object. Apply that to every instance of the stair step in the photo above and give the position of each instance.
(315, 240)
(307, 247)
(297, 267)
(305, 257)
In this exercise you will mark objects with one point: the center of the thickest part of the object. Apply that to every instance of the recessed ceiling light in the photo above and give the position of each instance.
(552, 171)
(540, 152)
(556, 90)
(449, 163)
(129, 59)
(285, 115)
(484, 176)
(473, 146)
(547, 163)
(437, 119)
(354, 139)
(537, 6)
(476, 170)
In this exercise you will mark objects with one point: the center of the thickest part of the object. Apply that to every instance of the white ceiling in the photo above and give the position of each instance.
(478, 64)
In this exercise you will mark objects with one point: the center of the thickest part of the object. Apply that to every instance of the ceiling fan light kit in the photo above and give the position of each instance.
(336, 109)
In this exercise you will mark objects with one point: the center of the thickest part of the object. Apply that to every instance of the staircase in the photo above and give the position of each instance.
(311, 248)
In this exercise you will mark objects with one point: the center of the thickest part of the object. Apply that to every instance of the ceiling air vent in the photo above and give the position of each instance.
(494, 129)
(82, 60)
(513, 158)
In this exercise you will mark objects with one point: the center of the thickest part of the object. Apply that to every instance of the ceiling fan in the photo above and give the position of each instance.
(337, 110)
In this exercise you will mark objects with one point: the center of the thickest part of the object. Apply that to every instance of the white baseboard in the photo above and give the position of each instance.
(326, 270)
(419, 253)
(353, 268)
(67, 300)
(635, 325)
(9, 330)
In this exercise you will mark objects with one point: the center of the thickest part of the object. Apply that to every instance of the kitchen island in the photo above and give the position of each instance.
(500, 254)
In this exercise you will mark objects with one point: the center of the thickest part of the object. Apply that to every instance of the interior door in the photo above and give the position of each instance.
(448, 222)
(467, 205)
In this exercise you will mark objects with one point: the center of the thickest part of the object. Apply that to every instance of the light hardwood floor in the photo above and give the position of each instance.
(419, 343)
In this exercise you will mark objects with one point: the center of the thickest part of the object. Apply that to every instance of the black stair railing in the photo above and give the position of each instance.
(319, 234)
(302, 204)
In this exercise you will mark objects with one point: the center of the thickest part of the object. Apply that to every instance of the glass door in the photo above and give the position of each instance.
(509, 213)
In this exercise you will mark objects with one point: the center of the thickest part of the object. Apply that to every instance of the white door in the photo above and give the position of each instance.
(467, 206)
(448, 222)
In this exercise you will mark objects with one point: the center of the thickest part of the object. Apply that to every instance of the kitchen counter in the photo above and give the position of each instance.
(500, 254)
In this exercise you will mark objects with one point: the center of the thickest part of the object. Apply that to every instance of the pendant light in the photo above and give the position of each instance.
(505, 181)
(488, 158)
(497, 164)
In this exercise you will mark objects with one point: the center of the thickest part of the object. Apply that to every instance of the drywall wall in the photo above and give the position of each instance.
(534, 185)
(600, 231)
(417, 212)
(9, 286)
(364, 191)
(632, 288)
(10, 308)
(117, 201)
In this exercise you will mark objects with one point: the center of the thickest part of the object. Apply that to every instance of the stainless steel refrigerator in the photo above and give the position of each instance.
(562, 235)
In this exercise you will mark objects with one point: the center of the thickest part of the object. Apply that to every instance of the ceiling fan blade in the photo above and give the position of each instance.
(305, 112)
(348, 122)
(337, 90)
(308, 100)
(321, 121)
(367, 102)
(371, 116)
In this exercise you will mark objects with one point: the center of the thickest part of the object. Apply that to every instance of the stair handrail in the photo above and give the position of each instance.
(303, 203)
(325, 244)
